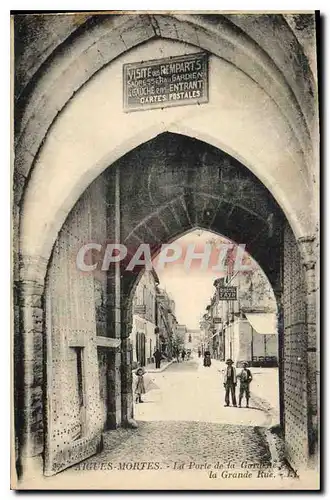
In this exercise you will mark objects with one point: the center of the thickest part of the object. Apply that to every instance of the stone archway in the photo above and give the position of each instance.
(49, 144)
(178, 183)
(185, 183)
(86, 116)
(199, 186)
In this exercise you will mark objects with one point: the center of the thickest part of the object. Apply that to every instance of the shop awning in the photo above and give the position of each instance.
(264, 323)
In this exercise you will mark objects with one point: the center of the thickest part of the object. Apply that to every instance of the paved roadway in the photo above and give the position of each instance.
(182, 421)
(188, 391)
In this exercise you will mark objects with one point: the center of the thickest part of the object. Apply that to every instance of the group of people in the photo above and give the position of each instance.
(230, 382)
(182, 355)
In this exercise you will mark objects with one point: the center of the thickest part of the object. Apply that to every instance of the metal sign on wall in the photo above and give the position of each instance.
(228, 293)
(160, 83)
(140, 309)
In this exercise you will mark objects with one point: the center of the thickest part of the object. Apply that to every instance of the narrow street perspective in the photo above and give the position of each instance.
(182, 422)
(190, 392)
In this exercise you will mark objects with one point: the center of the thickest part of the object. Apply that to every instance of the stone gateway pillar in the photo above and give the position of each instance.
(29, 364)
(308, 252)
(300, 351)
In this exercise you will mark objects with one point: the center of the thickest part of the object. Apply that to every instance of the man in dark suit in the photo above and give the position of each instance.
(229, 382)
(157, 357)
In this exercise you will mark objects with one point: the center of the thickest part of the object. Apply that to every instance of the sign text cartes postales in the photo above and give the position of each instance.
(167, 82)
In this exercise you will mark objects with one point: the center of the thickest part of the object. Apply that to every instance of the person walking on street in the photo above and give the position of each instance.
(199, 353)
(245, 377)
(207, 358)
(183, 354)
(157, 357)
(229, 382)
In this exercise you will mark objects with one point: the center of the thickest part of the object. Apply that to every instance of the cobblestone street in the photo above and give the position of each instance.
(183, 427)
(187, 442)
(183, 419)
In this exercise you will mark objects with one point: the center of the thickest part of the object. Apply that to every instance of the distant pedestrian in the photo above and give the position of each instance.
(207, 358)
(177, 355)
(230, 382)
(139, 387)
(183, 354)
(158, 357)
(199, 353)
(245, 377)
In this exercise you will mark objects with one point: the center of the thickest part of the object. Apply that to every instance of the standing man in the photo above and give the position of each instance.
(245, 378)
(183, 354)
(229, 382)
(157, 357)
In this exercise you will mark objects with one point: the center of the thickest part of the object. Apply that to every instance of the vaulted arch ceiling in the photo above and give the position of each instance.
(175, 183)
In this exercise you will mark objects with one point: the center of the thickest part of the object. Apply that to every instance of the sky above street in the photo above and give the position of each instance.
(191, 289)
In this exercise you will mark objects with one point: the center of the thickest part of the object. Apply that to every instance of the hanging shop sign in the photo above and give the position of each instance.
(227, 293)
(140, 309)
(160, 83)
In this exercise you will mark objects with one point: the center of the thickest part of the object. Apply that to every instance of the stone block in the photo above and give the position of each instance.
(33, 444)
(23, 162)
(19, 181)
(127, 406)
(38, 123)
(166, 26)
(32, 271)
(136, 30)
(33, 345)
(33, 300)
(32, 419)
(32, 320)
(33, 371)
(109, 47)
(312, 335)
(187, 32)
(29, 287)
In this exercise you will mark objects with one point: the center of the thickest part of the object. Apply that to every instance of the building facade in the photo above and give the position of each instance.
(144, 334)
(207, 326)
(244, 329)
(193, 340)
(180, 337)
(166, 323)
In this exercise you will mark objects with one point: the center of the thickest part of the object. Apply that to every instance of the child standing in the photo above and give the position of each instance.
(245, 380)
(139, 387)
